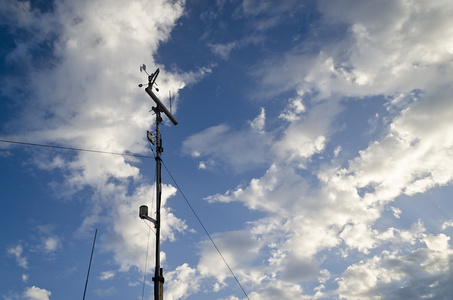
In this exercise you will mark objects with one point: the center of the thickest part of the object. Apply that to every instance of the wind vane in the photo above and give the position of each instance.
(157, 141)
(149, 90)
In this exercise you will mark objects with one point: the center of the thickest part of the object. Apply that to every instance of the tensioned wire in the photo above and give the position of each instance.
(101, 152)
(147, 245)
(169, 173)
(204, 228)
(75, 149)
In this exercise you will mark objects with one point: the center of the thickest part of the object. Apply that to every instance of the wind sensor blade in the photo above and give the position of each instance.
(143, 68)
(160, 105)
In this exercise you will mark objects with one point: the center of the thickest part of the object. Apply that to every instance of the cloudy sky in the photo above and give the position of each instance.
(315, 144)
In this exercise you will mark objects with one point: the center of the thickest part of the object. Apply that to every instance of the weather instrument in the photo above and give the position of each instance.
(156, 141)
(149, 90)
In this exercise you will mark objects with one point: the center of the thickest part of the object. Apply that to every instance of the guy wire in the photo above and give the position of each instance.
(149, 234)
(146, 261)
(206, 231)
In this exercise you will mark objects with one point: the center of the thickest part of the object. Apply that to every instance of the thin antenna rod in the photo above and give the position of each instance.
(89, 266)
(160, 105)
(169, 95)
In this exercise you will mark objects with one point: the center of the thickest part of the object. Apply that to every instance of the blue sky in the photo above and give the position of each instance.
(315, 142)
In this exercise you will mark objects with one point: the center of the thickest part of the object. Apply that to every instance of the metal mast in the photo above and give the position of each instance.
(89, 266)
(158, 275)
(143, 213)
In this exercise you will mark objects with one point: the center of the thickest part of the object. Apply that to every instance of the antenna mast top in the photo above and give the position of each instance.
(149, 90)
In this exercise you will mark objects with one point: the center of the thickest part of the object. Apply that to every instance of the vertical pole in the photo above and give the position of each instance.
(89, 266)
(158, 276)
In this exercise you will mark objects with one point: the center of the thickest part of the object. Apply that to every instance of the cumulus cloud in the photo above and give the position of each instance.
(307, 135)
(304, 220)
(129, 238)
(182, 282)
(82, 93)
(310, 206)
(420, 273)
(295, 109)
(36, 293)
(413, 156)
(335, 205)
(388, 52)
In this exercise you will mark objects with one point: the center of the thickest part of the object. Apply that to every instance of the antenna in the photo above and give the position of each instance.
(160, 106)
(169, 96)
(143, 211)
(89, 266)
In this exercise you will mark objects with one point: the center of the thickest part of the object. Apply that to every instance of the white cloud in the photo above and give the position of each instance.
(294, 110)
(413, 156)
(297, 141)
(182, 282)
(17, 251)
(49, 241)
(437, 243)
(224, 50)
(359, 236)
(105, 292)
(36, 293)
(107, 275)
(306, 136)
(266, 14)
(238, 248)
(388, 52)
(394, 53)
(129, 237)
(394, 49)
(359, 280)
(396, 211)
(259, 122)
(337, 151)
(400, 50)
(238, 150)
(278, 290)
(260, 192)
(87, 97)
(402, 276)
(230, 298)
(447, 224)
(51, 244)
